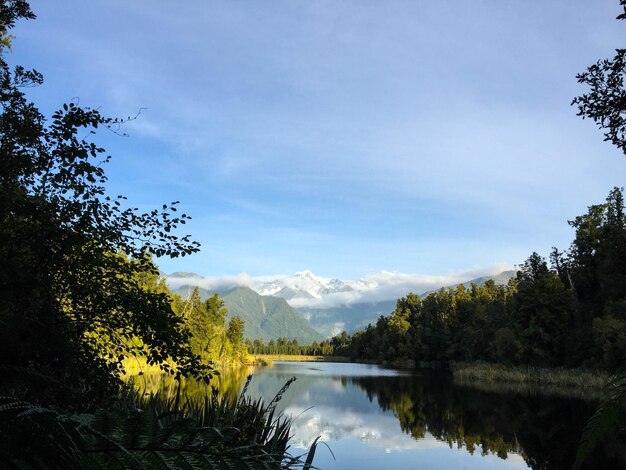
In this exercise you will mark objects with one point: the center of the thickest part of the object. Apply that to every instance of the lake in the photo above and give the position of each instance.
(376, 417)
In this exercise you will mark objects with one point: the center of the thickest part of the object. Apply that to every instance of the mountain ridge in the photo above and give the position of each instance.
(344, 310)
(306, 289)
(265, 317)
(332, 320)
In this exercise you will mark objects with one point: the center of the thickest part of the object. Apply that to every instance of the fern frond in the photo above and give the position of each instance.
(607, 421)
(150, 432)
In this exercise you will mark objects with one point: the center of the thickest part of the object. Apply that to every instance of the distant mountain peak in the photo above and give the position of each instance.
(307, 289)
(330, 305)
(265, 317)
(308, 274)
(305, 273)
(366, 284)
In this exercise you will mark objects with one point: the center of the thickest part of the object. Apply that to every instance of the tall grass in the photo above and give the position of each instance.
(151, 431)
(485, 372)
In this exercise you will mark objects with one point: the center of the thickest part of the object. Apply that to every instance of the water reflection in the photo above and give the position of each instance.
(373, 417)
(394, 419)
(229, 383)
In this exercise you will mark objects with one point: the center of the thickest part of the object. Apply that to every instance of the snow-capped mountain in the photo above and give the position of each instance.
(306, 289)
(331, 305)
(306, 285)
(303, 288)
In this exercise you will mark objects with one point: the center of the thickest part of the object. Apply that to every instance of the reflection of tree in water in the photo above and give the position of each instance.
(229, 383)
(544, 430)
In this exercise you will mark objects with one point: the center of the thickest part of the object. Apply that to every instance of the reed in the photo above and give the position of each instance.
(485, 372)
(262, 361)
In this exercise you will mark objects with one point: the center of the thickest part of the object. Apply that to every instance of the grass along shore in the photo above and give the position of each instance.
(466, 373)
(497, 373)
(268, 359)
(136, 366)
(469, 373)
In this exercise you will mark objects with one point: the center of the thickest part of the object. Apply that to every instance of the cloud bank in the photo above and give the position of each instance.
(305, 289)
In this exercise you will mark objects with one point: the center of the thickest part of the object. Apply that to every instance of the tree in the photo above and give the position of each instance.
(437, 309)
(605, 103)
(583, 260)
(612, 249)
(597, 254)
(71, 304)
(398, 326)
(198, 322)
(206, 321)
(543, 314)
(234, 334)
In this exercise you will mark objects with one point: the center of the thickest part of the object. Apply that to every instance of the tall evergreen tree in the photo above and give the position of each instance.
(543, 313)
(234, 334)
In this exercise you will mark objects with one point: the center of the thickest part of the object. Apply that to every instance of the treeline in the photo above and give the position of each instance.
(286, 346)
(570, 314)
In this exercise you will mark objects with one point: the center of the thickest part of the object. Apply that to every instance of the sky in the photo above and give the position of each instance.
(347, 138)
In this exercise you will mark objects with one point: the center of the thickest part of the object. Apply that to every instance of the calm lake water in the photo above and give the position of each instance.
(380, 418)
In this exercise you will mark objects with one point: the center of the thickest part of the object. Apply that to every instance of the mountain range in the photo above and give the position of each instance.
(265, 317)
(308, 307)
(356, 316)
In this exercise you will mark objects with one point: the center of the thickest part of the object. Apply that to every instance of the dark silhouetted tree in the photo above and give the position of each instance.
(72, 306)
(605, 102)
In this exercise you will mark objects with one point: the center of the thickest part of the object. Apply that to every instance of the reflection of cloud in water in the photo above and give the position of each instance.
(338, 386)
(334, 424)
(355, 410)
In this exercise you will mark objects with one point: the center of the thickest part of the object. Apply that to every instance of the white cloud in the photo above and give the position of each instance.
(367, 128)
(210, 283)
(381, 286)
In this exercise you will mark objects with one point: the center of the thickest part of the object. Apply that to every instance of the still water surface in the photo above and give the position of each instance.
(381, 418)
(373, 417)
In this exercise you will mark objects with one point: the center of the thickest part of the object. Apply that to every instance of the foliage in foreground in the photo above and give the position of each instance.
(72, 256)
(608, 421)
(152, 432)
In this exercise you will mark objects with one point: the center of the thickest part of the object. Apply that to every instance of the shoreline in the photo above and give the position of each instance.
(483, 372)
(464, 373)
(472, 372)
(268, 359)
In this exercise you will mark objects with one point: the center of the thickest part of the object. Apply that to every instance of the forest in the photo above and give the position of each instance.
(568, 313)
(286, 346)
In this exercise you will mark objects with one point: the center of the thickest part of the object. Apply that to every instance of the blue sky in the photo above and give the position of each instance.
(343, 137)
